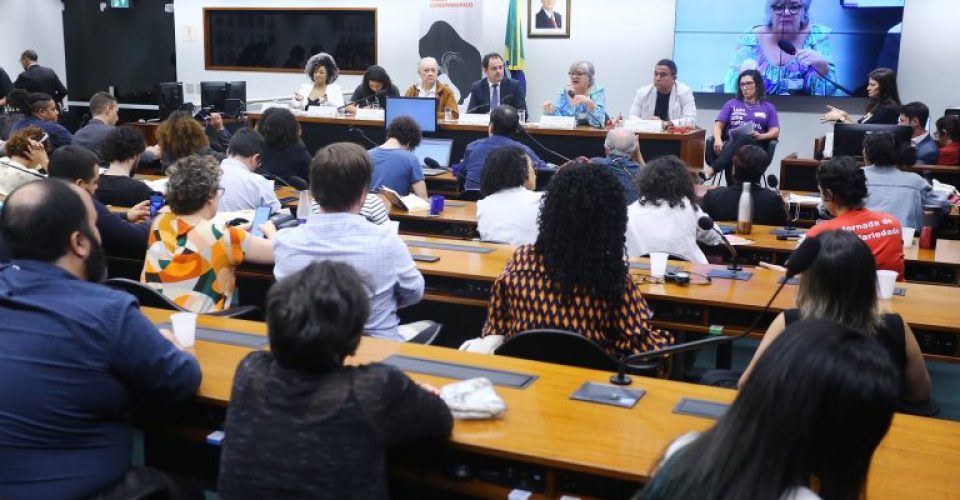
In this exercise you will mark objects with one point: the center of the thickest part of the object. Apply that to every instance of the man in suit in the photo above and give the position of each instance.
(36, 78)
(547, 18)
(915, 115)
(494, 90)
(5, 87)
(105, 112)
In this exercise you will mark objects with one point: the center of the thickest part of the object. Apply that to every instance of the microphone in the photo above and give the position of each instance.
(431, 163)
(571, 93)
(800, 260)
(362, 102)
(706, 223)
(538, 143)
(273, 176)
(358, 132)
(774, 184)
(788, 47)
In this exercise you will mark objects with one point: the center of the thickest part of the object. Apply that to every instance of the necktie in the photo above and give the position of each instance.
(495, 96)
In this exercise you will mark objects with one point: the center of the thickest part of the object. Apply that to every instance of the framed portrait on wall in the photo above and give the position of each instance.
(548, 18)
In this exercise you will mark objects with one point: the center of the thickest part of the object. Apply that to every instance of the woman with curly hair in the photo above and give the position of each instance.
(575, 276)
(665, 217)
(25, 162)
(286, 156)
(181, 136)
(322, 71)
(375, 88)
(190, 258)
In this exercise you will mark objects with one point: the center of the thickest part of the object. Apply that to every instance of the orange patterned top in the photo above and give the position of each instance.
(524, 298)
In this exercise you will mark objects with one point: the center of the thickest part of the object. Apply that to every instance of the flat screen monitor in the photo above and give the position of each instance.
(213, 95)
(848, 137)
(422, 110)
(438, 149)
(236, 99)
(170, 98)
(952, 110)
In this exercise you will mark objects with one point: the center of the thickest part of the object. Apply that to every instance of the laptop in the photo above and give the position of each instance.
(439, 150)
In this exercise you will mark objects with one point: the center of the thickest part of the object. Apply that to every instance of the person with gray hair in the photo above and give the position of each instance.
(430, 86)
(322, 71)
(583, 98)
(624, 159)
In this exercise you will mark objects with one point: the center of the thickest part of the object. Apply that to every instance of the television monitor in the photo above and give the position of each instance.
(213, 95)
(714, 41)
(848, 137)
(438, 149)
(170, 98)
(422, 110)
(952, 110)
(236, 98)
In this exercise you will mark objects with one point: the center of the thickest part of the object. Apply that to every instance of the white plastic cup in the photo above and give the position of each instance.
(907, 233)
(304, 205)
(886, 282)
(658, 264)
(184, 328)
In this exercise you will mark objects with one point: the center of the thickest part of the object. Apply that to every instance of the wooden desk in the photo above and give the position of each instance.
(582, 141)
(799, 174)
(546, 430)
(458, 220)
(445, 184)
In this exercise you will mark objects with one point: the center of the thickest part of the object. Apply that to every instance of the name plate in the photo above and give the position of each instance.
(474, 119)
(322, 111)
(267, 105)
(641, 125)
(370, 114)
(558, 122)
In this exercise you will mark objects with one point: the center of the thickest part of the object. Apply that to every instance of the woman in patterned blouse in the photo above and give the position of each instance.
(575, 276)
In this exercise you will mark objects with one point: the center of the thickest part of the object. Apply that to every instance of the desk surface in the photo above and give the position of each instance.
(543, 426)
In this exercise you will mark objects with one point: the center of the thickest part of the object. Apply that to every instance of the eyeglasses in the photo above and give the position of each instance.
(748, 84)
(575, 73)
(221, 190)
(793, 8)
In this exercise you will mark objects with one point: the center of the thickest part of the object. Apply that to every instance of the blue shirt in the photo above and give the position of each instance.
(396, 169)
(471, 166)
(59, 135)
(902, 194)
(376, 252)
(626, 171)
(73, 355)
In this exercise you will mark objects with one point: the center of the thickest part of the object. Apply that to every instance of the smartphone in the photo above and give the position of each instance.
(156, 203)
(259, 217)
(425, 258)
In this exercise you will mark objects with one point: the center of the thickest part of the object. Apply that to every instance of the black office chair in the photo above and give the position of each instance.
(148, 297)
(567, 348)
(428, 336)
(928, 408)
(298, 183)
(710, 157)
(469, 195)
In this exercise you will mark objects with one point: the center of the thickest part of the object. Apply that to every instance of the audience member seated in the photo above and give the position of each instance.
(883, 104)
(26, 160)
(624, 160)
(75, 354)
(180, 136)
(841, 286)
(575, 277)
(301, 423)
(122, 148)
(503, 131)
(508, 211)
(666, 99)
(495, 88)
(749, 165)
(285, 156)
(843, 190)
(428, 86)
(105, 112)
(339, 181)
(322, 71)
(191, 259)
(948, 136)
(242, 188)
(39, 110)
(122, 235)
(750, 109)
(665, 217)
(374, 89)
(394, 165)
(897, 192)
(915, 115)
(820, 401)
(583, 99)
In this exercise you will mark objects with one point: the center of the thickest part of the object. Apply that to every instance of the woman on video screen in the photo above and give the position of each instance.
(787, 27)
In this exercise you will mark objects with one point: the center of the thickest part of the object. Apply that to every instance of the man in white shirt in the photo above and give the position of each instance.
(666, 99)
(243, 189)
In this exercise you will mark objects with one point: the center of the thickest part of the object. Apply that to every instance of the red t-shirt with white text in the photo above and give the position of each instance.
(879, 230)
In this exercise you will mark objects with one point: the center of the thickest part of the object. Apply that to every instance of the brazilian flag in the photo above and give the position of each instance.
(513, 41)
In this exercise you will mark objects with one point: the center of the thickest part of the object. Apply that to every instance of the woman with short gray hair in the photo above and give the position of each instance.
(582, 98)
(322, 71)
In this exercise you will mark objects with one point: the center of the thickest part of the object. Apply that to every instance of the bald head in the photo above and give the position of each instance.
(40, 218)
(622, 141)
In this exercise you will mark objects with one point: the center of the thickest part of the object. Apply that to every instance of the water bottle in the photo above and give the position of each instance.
(303, 206)
(745, 211)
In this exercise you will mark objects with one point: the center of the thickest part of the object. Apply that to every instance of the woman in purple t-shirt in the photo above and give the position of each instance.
(751, 119)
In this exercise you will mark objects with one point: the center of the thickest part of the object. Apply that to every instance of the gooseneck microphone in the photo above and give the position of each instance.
(362, 102)
(774, 184)
(800, 260)
(706, 223)
(431, 163)
(788, 47)
(356, 131)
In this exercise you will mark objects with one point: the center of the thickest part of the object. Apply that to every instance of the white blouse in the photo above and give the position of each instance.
(510, 216)
(334, 95)
(660, 228)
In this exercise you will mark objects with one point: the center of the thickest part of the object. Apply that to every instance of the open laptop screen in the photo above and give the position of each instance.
(438, 149)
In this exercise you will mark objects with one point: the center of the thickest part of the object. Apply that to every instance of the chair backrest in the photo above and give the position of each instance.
(469, 195)
(146, 295)
(558, 346)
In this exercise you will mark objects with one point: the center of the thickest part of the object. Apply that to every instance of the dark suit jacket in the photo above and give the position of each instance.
(928, 153)
(510, 93)
(543, 21)
(91, 137)
(40, 79)
(5, 86)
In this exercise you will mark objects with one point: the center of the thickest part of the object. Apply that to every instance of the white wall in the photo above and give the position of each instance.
(622, 38)
(32, 24)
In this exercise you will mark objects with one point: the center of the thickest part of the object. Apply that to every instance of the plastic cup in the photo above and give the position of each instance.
(658, 264)
(886, 282)
(436, 205)
(184, 328)
(907, 233)
(523, 115)
(303, 206)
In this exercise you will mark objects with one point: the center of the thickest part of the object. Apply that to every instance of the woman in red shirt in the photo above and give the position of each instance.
(843, 186)
(948, 135)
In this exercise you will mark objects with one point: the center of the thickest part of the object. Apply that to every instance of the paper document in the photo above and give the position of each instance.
(742, 130)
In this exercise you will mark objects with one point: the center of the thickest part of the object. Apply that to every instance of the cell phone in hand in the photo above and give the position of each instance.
(259, 218)
(156, 203)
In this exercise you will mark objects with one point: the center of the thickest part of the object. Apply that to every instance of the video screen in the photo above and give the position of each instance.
(422, 110)
(798, 45)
